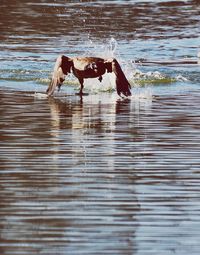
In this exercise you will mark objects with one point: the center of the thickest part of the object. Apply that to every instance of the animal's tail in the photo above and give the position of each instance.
(57, 77)
(122, 84)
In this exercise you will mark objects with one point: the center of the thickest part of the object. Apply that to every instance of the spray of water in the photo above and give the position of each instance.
(105, 50)
(110, 49)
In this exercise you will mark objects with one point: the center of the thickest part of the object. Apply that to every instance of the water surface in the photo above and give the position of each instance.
(99, 174)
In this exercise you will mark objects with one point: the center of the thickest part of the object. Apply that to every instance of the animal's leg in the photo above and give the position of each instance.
(61, 80)
(59, 85)
(81, 89)
(100, 78)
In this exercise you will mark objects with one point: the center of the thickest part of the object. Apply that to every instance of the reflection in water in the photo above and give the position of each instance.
(94, 177)
(102, 201)
(64, 185)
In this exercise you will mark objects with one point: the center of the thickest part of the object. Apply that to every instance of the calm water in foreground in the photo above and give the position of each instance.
(100, 174)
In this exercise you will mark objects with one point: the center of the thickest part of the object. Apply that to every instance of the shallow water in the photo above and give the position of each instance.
(100, 174)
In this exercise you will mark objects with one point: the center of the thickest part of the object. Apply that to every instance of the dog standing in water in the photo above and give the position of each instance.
(88, 67)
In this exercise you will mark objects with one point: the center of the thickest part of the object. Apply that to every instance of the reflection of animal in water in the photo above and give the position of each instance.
(88, 67)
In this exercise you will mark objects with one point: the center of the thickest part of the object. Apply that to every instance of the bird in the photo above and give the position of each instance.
(88, 67)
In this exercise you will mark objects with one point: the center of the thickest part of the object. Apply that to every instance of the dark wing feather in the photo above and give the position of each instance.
(122, 84)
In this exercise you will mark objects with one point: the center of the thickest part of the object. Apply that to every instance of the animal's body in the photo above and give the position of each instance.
(88, 67)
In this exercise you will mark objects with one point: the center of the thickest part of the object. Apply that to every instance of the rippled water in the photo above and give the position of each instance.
(100, 174)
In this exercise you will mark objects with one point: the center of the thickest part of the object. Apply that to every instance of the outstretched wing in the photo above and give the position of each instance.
(61, 68)
(122, 84)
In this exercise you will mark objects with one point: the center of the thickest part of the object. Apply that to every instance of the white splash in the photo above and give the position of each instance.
(181, 78)
(137, 74)
(106, 50)
(40, 95)
(136, 77)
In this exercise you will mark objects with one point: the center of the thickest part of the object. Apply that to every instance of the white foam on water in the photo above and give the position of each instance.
(40, 95)
(181, 78)
(103, 98)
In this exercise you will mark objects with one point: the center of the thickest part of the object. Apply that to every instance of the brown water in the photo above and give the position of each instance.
(99, 174)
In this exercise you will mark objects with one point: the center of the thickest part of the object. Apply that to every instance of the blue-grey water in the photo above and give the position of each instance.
(100, 174)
